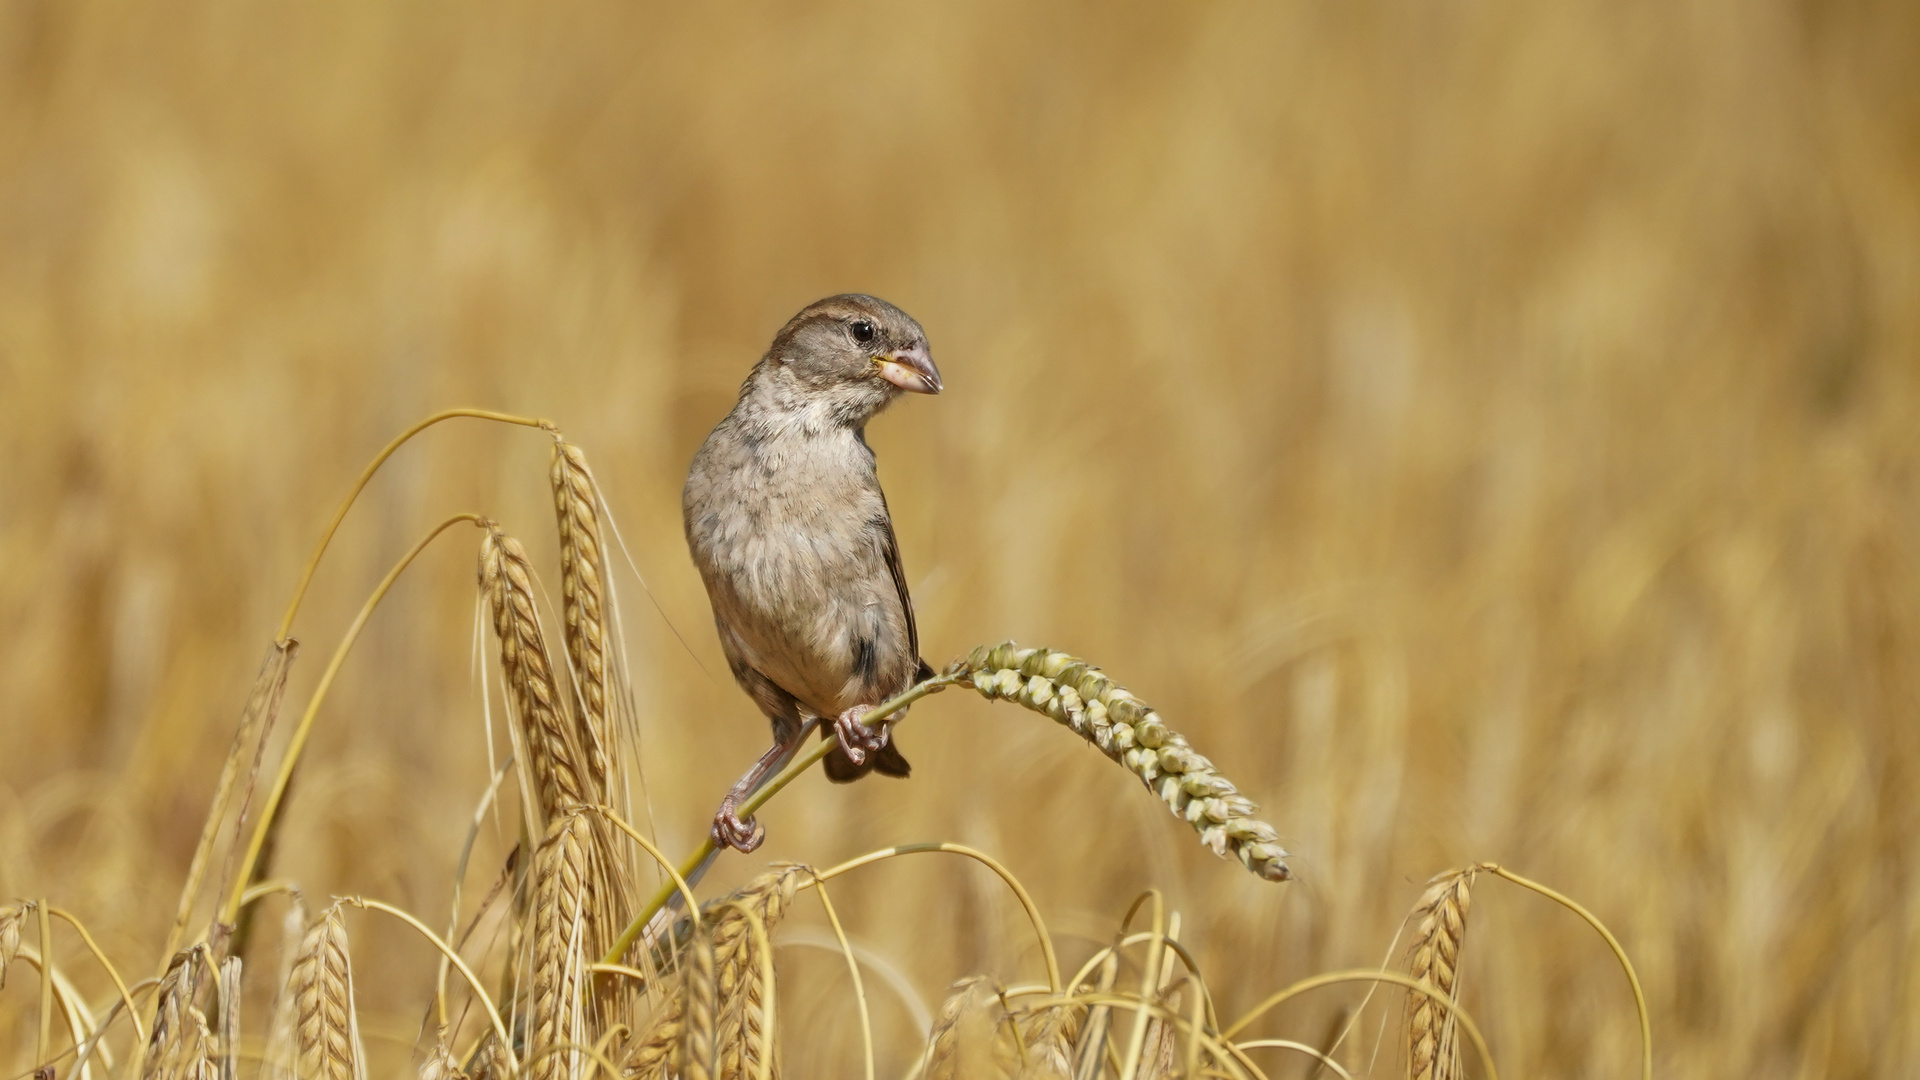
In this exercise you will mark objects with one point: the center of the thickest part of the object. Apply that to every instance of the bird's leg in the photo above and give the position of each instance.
(745, 834)
(859, 739)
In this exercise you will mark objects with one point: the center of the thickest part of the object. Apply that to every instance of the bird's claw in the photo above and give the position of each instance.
(731, 830)
(859, 740)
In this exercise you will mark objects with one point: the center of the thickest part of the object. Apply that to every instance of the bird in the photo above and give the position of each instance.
(787, 524)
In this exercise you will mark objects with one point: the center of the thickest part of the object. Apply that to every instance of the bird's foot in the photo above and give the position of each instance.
(731, 830)
(859, 740)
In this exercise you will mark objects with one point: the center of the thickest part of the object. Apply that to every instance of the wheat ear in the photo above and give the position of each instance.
(963, 1044)
(583, 592)
(1126, 729)
(489, 1060)
(699, 1046)
(11, 917)
(742, 1033)
(439, 1063)
(181, 1044)
(326, 1034)
(1050, 1034)
(506, 578)
(1433, 1047)
(561, 910)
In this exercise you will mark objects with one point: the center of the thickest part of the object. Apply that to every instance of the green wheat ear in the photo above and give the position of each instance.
(1126, 729)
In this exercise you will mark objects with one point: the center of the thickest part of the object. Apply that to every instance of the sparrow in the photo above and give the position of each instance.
(788, 526)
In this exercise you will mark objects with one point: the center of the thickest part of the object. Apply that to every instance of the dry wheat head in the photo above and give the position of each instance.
(582, 589)
(1433, 1048)
(180, 1046)
(741, 1031)
(10, 918)
(439, 1063)
(326, 1035)
(507, 580)
(561, 911)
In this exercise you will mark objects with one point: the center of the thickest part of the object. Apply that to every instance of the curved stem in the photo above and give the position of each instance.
(1620, 954)
(473, 983)
(1332, 977)
(269, 812)
(113, 973)
(853, 971)
(1019, 891)
(691, 865)
(313, 561)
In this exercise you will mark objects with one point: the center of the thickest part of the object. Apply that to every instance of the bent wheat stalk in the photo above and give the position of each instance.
(251, 864)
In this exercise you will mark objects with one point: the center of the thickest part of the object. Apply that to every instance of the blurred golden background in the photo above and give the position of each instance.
(1487, 430)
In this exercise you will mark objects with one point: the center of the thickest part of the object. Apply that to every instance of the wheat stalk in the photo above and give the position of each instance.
(1126, 729)
(1433, 1048)
(326, 1035)
(561, 911)
(583, 593)
(506, 578)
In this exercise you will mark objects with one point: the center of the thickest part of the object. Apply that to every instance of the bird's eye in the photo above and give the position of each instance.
(862, 331)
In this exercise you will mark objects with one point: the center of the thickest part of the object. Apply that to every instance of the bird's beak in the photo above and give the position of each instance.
(911, 370)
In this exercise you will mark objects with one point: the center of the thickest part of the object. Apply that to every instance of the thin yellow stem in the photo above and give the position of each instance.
(118, 983)
(1149, 984)
(45, 1045)
(473, 982)
(1019, 891)
(676, 878)
(1333, 977)
(1620, 954)
(270, 809)
(313, 562)
(691, 865)
(853, 971)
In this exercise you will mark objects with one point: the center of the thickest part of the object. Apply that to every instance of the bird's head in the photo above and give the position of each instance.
(851, 355)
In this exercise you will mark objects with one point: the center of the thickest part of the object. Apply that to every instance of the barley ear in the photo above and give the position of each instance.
(439, 1063)
(1050, 1035)
(1077, 694)
(489, 1060)
(1433, 1047)
(961, 1045)
(180, 1046)
(561, 911)
(653, 1055)
(583, 593)
(326, 1033)
(506, 578)
(699, 1049)
(743, 1032)
(11, 917)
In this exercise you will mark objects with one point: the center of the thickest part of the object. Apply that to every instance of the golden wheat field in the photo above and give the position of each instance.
(1488, 432)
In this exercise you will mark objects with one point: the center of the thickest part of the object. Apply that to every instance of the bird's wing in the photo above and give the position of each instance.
(890, 549)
